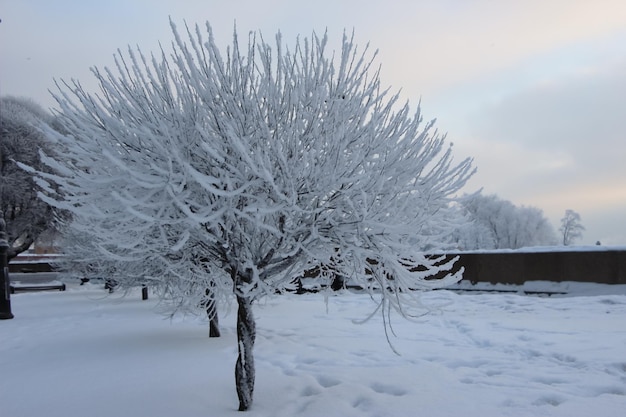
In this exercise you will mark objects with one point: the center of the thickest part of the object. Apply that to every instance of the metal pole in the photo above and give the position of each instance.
(5, 282)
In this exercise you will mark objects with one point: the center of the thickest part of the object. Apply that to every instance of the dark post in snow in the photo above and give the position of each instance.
(210, 303)
(5, 283)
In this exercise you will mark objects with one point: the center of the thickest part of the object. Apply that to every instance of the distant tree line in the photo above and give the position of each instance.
(495, 223)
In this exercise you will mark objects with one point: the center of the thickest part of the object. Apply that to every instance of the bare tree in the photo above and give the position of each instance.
(257, 165)
(571, 227)
(27, 216)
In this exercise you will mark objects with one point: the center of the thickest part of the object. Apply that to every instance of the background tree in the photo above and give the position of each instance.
(185, 290)
(571, 227)
(495, 223)
(257, 165)
(26, 215)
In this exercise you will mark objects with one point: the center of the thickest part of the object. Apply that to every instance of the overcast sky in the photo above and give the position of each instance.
(533, 90)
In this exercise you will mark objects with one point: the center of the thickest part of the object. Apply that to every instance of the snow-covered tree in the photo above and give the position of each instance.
(256, 166)
(495, 223)
(571, 227)
(26, 216)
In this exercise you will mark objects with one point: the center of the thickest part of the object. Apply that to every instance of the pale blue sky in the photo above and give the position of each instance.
(534, 90)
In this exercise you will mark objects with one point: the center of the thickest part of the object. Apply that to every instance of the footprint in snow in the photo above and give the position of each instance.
(327, 381)
(389, 389)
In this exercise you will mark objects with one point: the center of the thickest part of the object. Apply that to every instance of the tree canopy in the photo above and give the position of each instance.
(495, 223)
(255, 166)
(26, 216)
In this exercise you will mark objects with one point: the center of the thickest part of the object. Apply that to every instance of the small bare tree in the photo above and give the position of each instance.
(571, 227)
(256, 165)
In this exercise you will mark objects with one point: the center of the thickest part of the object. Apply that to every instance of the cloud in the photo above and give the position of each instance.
(425, 46)
(534, 90)
(453, 42)
(571, 129)
(558, 143)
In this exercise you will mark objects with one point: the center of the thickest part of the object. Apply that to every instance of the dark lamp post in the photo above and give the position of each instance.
(5, 292)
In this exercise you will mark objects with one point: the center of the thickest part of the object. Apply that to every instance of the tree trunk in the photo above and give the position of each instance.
(244, 369)
(214, 326)
(211, 313)
(338, 283)
(13, 251)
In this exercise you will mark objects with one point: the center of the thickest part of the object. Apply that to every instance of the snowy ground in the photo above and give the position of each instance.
(84, 353)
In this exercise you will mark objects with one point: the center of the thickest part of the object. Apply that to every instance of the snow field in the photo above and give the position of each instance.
(83, 352)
